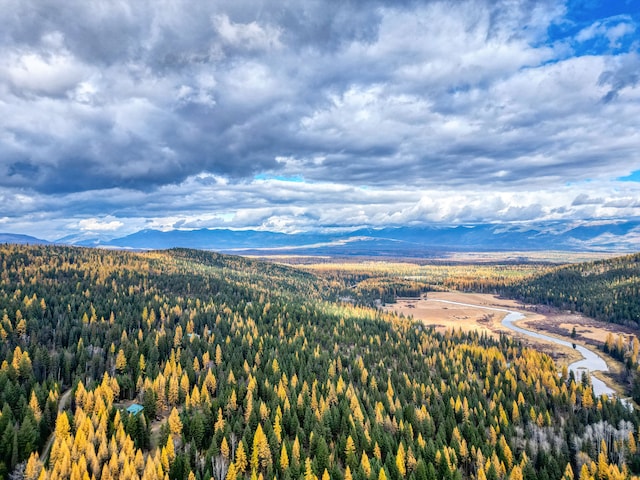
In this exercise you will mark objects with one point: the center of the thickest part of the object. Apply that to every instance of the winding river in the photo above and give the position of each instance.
(591, 361)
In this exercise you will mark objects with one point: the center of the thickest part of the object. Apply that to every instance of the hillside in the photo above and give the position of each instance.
(244, 370)
(606, 290)
(415, 241)
(21, 239)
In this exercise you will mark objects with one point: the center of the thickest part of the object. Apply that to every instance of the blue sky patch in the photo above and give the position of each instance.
(282, 178)
(598, 27)
(634, 177)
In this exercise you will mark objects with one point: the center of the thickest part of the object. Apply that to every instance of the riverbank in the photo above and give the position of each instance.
(464, 313)
(494, 316)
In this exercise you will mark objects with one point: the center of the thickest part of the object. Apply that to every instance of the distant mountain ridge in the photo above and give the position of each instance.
(410, 241)
(402, 241)
(21, 239)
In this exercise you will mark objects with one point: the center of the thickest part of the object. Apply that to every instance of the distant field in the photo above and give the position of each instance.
(367, 280)
(553, 257)
(484, 272)
(418, 270)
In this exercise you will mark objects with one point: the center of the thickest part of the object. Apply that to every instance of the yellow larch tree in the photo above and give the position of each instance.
(174, 391)
(364, 463)
(568, 473)
(585, 474)
(284, 458)
(412, 462)
(34, 405)
(17, 356)
(260, 453)
(631, 443)
(295, 450)
(121, 361)
(401, 460)
(264, 411)
(376, 451)
(21, 328)
(277, 425)
(63, 428)
(210, 382)
(241, 458)
(233, 400)
(138, 462)
(195, 396)
(350, 450)
(224, 448)
(219, 425)
(347, 473)
(177, 337)
(248, 409)
(170, 451)
(196, 365)
(175, 424)
(308, 471)
(33, 468)
(481, 475)
(142, 365)
(516, 473)
(587, 397)
(231, 472)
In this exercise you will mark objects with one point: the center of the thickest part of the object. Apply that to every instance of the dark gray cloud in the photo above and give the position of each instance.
(625, 72)
(122, 109)
(585, 199)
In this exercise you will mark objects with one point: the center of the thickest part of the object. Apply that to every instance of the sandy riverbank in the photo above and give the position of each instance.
(443, 316)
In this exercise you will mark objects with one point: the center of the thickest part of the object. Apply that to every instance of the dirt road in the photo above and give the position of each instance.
(62, 404)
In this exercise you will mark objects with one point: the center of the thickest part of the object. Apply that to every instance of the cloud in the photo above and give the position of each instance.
(623, 203)
(585, 199)
(250, 36)
(613, 29)
(96, 225)
(51, 75)
(623, 73)
(205, 202)
(165, 113)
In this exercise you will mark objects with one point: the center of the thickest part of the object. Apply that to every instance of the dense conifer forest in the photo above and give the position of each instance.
(247, 370)
(606, 290)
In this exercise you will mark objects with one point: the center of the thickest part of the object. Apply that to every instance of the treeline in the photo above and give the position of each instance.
(366, 282)
(606, 290)
(245, 371)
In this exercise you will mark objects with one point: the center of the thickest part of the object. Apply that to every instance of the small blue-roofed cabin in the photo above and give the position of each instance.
(135, 409)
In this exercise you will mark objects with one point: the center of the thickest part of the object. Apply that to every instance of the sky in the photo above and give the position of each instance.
(293, 116)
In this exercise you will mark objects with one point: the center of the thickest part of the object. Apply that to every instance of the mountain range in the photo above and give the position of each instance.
(623, 236)
(21, 239)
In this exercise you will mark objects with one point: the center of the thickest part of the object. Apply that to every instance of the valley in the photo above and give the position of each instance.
(319, 370)
(469, 312)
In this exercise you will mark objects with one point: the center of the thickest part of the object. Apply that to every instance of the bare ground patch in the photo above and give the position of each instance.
(443, 316)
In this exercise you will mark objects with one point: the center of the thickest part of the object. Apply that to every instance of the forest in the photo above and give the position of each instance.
(252, 370)
(364, 282)
(606, 289)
